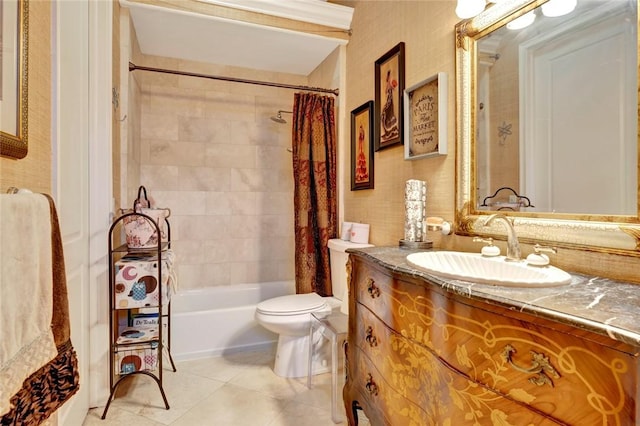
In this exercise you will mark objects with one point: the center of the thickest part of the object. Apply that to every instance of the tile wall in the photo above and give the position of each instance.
(210, 153)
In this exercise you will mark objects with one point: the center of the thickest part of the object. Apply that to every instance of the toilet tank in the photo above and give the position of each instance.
(339, 257)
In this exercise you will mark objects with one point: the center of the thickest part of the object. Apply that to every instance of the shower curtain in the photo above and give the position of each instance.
(315, 204)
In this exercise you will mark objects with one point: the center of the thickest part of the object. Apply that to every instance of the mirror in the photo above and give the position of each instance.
(526, 124)
(542, 71)
(14, 40)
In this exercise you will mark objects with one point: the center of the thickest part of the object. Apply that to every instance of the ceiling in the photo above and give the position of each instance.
(187, 34)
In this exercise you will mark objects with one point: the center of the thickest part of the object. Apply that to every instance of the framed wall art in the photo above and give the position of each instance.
(425, 121)
(389, 86)
(362, 147)
(14, 38)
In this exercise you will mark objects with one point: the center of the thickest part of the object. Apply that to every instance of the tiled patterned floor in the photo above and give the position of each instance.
(231, 390)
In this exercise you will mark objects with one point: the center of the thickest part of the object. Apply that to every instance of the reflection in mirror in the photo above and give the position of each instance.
(547, 123)
(556, 112)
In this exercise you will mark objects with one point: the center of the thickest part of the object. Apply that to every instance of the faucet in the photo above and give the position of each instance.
(513, 246)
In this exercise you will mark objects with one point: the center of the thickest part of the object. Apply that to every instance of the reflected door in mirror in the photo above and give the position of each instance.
(557, 111)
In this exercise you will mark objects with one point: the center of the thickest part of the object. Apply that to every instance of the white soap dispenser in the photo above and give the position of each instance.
(437, 223)
(489, 250)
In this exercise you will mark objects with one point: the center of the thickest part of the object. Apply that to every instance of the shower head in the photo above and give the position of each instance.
(278, 118)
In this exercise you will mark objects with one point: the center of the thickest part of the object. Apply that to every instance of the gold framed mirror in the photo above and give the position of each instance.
(14, 82)
(590, 222)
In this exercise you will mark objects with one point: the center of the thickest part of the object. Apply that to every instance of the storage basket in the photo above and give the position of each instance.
(143, 357)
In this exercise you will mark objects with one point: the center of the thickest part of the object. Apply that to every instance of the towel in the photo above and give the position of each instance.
(38, 365)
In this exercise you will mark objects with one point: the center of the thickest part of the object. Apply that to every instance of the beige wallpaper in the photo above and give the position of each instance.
(129, 115)
(34, 171)
(116, 116)
(426, 28)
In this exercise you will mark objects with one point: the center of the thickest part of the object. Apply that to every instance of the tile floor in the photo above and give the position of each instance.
(231, 390)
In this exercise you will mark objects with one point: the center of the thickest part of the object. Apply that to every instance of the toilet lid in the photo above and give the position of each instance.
(341, 245)
(291, 305)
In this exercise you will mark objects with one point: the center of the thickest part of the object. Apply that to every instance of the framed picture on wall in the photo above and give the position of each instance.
(425, 121)
(389, 82)
(362, 147)
(13, 78)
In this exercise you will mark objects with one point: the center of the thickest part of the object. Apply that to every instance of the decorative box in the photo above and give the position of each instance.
(136, 281)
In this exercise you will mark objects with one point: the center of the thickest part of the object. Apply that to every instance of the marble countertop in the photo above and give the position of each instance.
(598, 304)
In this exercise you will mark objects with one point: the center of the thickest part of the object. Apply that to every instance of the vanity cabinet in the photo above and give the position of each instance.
(421, 352)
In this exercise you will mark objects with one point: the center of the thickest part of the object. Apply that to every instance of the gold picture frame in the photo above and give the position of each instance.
(14, 80)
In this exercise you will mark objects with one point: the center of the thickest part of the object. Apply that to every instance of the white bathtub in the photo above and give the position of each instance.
(218, 320)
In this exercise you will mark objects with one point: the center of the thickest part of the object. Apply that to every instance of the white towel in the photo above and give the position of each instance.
(26, 339)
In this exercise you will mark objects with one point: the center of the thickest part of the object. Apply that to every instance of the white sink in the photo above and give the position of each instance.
(487, 270)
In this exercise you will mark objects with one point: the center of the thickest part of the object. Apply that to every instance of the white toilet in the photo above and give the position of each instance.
(290, 316)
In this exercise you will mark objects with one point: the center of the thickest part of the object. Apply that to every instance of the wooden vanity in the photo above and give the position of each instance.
(427, 351)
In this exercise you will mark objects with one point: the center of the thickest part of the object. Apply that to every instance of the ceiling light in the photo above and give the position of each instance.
(554, 8)
(469, 8)
(523, 21)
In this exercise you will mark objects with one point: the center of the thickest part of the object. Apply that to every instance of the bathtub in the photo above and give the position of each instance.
(217, 320)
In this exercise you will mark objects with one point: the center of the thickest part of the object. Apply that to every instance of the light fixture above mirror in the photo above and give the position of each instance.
(466, 9)
(555, 8)
(522, 22)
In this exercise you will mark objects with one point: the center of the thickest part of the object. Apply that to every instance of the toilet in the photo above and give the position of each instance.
(290, 316)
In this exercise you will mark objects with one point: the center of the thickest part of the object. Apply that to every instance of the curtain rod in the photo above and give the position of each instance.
(133, 67)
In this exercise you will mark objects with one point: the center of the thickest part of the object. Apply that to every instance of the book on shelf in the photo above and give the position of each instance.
(129, 335)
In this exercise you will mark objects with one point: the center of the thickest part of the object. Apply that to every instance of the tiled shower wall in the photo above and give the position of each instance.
(210, 153)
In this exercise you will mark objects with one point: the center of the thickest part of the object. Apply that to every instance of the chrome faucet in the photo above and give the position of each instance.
(513, 246)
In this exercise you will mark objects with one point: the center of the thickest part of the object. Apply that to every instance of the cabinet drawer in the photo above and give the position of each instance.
(396, 302)
(380, 402)
(446, 395)
(520, 357)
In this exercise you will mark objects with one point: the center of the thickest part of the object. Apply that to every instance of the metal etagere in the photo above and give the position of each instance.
(146, 350)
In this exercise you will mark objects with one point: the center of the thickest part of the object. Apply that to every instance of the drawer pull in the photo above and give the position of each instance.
(371, 386)
(370, 338)
(540, 366)
(373, 290)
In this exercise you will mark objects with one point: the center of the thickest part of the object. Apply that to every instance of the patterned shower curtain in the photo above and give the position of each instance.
(315, 203)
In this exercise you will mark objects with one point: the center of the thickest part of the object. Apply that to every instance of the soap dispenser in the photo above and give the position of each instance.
(489, 250)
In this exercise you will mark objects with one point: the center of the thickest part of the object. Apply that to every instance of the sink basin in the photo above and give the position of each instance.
(487, 270)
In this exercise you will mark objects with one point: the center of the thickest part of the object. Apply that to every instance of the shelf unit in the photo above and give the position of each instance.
(138, 349)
